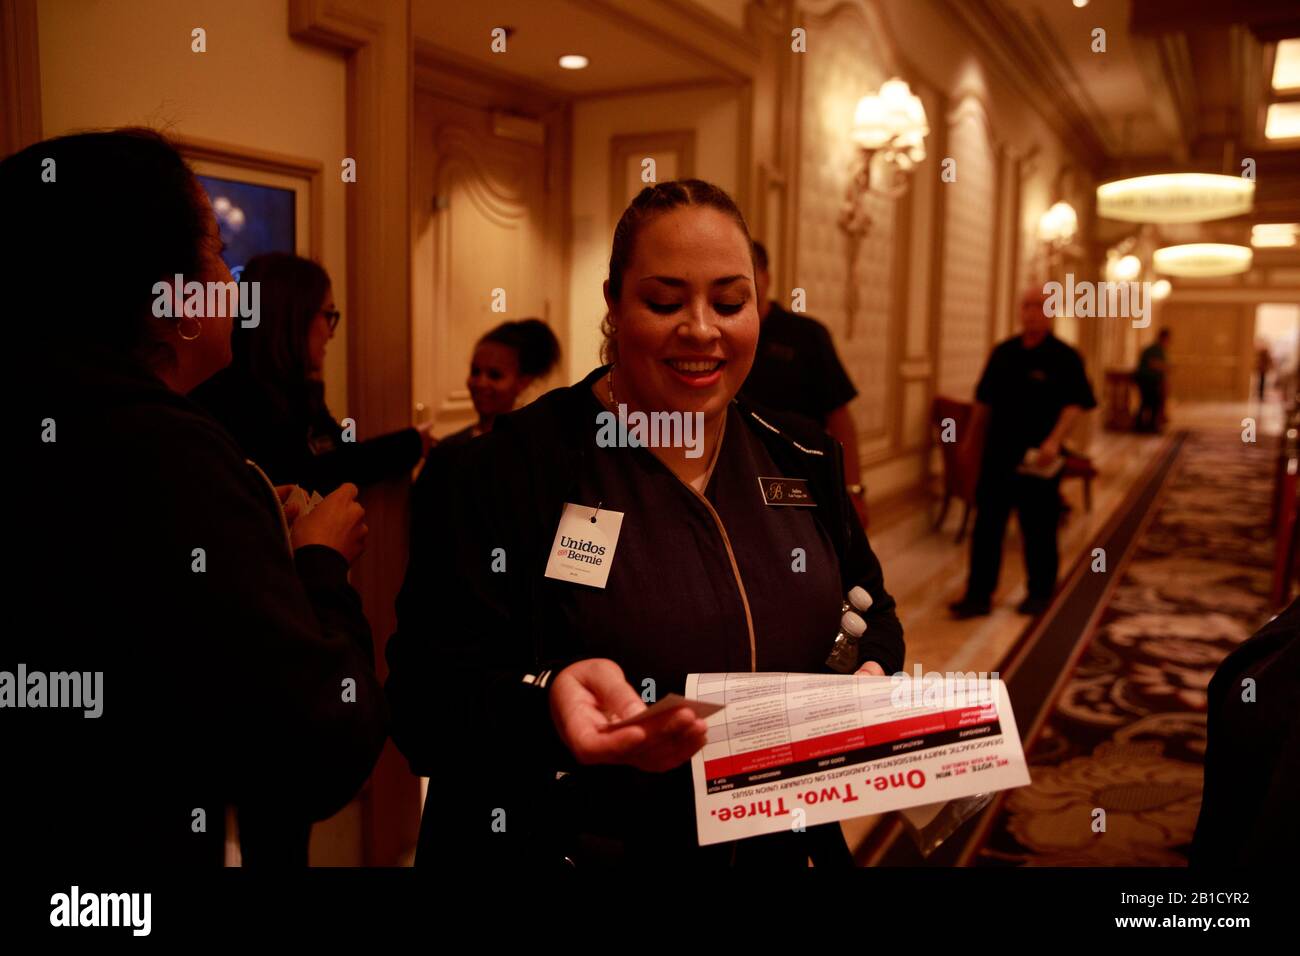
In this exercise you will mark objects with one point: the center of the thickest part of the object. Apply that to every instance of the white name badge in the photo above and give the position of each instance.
(584, 545)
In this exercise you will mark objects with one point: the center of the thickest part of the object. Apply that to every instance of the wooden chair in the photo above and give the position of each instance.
(1120, 386)
(958, 482)
(1080, 466)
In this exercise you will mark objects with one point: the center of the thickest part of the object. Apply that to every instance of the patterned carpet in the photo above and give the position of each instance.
(1127, 732)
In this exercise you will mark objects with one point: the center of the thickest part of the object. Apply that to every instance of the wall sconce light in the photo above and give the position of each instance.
(1123, 264)
(1058, 225)
(1127, 268)
(889, 130)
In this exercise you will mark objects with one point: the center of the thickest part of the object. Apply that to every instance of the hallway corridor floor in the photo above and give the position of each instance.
(933, 567)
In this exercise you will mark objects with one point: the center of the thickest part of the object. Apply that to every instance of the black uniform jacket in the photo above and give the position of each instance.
(152, 552)
(295, 447)
(1252, 756)
(698, 583)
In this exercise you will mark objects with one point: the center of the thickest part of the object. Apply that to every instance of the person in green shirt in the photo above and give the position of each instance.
(1150, 378)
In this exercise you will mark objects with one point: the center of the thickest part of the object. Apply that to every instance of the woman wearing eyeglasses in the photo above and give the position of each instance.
(272, 396)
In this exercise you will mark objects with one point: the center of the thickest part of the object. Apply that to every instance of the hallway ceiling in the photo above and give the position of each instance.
(1183, 84)
(1179, 78)
(623, 53)
(1101, 84)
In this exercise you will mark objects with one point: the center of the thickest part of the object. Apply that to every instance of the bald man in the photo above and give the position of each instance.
(1032, 390)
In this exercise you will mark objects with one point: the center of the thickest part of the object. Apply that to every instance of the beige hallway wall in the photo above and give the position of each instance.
(712, 114)
(128, 62)
(482, 222)
(1211, 353)
(941, 269)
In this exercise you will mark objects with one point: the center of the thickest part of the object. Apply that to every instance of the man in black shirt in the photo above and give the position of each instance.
(1150, 378)
(796, 369)
(1032, 390)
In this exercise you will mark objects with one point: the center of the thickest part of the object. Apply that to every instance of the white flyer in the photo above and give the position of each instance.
(791, 750)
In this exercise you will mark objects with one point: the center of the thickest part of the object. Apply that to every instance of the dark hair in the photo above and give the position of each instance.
(1163, 334)
(760, 257)
(274, 352)
(97, 219)
(649, 203)
(533, 342)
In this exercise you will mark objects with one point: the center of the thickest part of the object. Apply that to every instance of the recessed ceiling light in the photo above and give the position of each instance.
(1080, 3)
(1274, 235)
(1283, 121)
(1286, 65)
(573, 61)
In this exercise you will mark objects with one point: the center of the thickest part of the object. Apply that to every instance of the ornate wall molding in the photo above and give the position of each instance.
(852, 58)
(970, 249)
(375, 40)
(1038, 70)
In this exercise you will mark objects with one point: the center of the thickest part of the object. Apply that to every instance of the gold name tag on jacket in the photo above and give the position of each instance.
(786, 492)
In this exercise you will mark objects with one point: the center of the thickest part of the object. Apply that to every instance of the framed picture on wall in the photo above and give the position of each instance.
(673, 152)
(264, 202)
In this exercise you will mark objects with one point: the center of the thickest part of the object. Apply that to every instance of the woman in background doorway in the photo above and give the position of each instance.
(505, 363)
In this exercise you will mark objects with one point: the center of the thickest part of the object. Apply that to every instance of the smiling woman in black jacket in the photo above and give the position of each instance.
(501, 677)
(235, 665)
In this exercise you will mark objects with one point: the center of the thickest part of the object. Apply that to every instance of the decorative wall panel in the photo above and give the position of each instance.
(843, 64)
(970, 231)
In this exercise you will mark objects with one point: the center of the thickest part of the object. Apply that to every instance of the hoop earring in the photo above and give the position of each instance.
(198, 330)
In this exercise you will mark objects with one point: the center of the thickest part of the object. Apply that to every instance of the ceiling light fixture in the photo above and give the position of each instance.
(1282, 121)
(1274, 235)
(1203, 259)
(1286, 65)
(573, 61)
(1175, 197)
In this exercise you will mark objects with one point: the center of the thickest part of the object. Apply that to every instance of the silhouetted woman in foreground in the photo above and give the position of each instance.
(235, 665)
